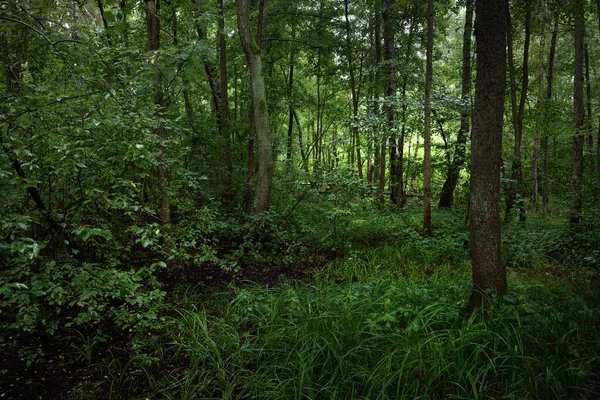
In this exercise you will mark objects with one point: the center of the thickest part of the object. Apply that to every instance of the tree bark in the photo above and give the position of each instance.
(490, 31)
(396, 150)
(516, 186)
(427, 160)
(588, 92)
(458, 161)
(597, 194)
(153, 29)
(290, 135)
(224, 104)
(354, 91)
(545, 136)
(260, 109)
(189, 112)
(578, 105)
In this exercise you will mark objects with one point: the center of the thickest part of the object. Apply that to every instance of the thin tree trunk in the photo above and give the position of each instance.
(396, 196)
(515, 190)
(260, 107)
(536, 142)
(153, 28)
(490, 31)
(545, 136)
(224, 104)
(458, 161)
(427, 161)
(578, 105)
(290, 90)
(189, 112)
(353, 89)
(301, 142)
(400, 165)
(588, 91)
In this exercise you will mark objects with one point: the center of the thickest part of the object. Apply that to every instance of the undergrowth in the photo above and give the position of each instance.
(375, 326)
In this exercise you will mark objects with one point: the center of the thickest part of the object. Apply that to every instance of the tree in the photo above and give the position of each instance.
(353, 89)
(260, 109)
(515, 187)
(578, 105)
(427, 161)
(545, 137)
(153, 30)
(458, 162)
(396, 150)
(486, 148)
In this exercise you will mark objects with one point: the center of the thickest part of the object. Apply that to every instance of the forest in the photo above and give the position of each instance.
(309, 199)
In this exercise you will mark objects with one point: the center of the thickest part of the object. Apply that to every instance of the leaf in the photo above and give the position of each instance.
(109, 16)
(121, 28)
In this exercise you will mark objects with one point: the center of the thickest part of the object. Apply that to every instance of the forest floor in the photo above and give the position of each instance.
(380, 312)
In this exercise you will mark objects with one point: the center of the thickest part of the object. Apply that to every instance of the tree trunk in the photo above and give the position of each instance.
(516, 186)
(153, 28)
(588, 91)
(490, 31)
(224, 104)
(536, 142)
(211, 74)
(458, 161)
(427, 161)
(354, 91)
(545, 137)
(597, 194)
(578, 105)
(396, 149)
(290, 135)
(250, 164)
(260, 109)
(301, 143)
(189, 112)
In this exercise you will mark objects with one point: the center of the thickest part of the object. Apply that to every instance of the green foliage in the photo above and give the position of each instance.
(385, 338)
(62, 295)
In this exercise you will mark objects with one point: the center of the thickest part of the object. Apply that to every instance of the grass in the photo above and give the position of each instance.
(386, 321)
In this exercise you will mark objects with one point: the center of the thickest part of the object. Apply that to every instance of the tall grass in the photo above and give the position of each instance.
(386, 338)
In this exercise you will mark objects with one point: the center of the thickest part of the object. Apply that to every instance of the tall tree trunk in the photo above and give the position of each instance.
(588, 92)
(545, 136)
(153, 28)
(536, 142)
(301, 143)
(578, 105)
(189, 111)
(396, 149)
(597, 192)
(490, 32)
(290, 136)
(260, 107)
(400, 149)
(458, 161)
(354, 91)
(224, 103)
(427, 161)
(518, 111)
(209, 69)
(250, 164)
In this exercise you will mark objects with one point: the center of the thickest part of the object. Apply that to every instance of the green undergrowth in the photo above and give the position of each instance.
(376, 327)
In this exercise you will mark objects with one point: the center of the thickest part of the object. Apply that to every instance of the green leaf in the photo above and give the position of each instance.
(109, 17)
